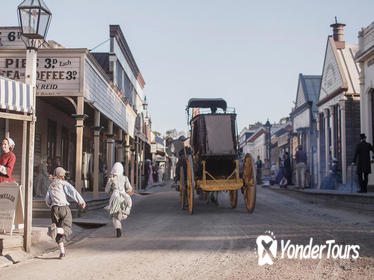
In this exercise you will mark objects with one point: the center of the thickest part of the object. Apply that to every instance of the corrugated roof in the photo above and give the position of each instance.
(254, 136)
(311, 86)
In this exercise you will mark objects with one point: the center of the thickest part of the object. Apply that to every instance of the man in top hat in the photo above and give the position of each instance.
(364, 165)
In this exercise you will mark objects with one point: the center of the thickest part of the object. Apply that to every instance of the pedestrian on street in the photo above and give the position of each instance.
(301, 160)
(146, 172)
(42, 180)
(161, 170)
(150, 172)
(7, 160)
(364, 165)
(57, 162)
(56, 199)
(259, 170)
(120, 201)
(155, 173)
(280, 173)
(287, 168)
(274, 173)
(49, 166)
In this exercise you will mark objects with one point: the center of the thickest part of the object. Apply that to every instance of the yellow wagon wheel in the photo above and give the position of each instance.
(249, 188)
(234, 198)
(190, 184)
(182, 187)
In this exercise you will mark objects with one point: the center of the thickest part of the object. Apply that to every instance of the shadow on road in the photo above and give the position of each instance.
(158, 223)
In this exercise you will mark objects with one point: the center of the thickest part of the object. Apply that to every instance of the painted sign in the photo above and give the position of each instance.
(10, 37)
(56, 75)
(10, 205)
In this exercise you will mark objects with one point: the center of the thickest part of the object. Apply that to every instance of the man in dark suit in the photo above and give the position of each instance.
(364, 165)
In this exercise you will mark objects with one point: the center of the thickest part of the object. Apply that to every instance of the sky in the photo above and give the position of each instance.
(248, 52)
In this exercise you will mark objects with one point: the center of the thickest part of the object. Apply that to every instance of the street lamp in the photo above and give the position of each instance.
(268, 140)
(34, 18)
(145, 104)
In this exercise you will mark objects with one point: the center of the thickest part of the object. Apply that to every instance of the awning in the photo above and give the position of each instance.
(15, 96)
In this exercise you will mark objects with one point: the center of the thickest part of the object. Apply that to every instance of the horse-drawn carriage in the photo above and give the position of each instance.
(212, 162)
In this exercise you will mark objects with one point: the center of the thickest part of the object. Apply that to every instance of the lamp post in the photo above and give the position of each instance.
(34, 18)
(268, 140)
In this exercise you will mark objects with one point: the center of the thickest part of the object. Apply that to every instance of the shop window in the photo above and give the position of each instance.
(119, 76)
(128, 89)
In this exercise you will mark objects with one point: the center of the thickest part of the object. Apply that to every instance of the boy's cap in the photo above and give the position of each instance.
(59, 171)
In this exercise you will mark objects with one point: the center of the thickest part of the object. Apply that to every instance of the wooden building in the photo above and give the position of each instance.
(338, 104)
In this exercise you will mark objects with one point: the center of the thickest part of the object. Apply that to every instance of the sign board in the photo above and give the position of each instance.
(153, 148)
(10, 37)
(11, 210)
(57, 75)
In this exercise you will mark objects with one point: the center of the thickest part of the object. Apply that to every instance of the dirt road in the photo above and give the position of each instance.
(163, 242)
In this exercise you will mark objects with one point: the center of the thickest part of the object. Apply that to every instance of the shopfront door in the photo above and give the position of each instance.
(51, 144)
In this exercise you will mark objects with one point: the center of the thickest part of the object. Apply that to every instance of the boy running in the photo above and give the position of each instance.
(60, 212)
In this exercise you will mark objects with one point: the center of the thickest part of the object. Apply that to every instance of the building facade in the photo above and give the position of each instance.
(365, 57)
(304, 123)
(120, 66)
(338, 104)
(255, 145)
(245, 134)
(86, 120)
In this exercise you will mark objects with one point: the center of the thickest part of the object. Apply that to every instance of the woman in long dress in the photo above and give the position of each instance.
(42, 181)
(120, 201)
(7, 160)
(150, 177)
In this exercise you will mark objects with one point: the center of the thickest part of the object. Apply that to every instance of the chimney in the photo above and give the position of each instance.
(338, 34)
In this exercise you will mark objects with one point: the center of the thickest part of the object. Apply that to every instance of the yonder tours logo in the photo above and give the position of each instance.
(267, 249)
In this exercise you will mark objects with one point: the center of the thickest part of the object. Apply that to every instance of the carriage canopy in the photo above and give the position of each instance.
(214, 134)
(207, 103)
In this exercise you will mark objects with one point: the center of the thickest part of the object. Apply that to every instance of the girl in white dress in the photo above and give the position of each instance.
(120, 201)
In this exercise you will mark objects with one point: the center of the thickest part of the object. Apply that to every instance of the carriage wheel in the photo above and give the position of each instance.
(182, 187)
(233, 198)
(249, 188)
(190, 185)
